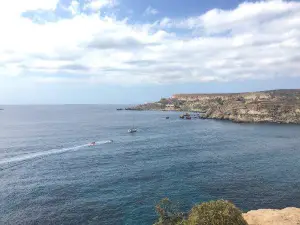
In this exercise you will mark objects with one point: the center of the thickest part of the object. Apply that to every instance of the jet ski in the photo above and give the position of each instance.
(92, 143)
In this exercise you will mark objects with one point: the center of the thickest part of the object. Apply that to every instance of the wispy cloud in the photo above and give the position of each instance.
(151, 11)
(253, 41)
(96, 5)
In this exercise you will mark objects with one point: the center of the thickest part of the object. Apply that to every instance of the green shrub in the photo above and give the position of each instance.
(168, 213)
(164, 101)
(216, 213)
(220, 101)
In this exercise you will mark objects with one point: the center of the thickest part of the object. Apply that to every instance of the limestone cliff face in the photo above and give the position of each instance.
(287, 216)
(277, 106)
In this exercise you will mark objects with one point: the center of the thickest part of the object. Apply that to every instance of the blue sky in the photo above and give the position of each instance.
(133, 51)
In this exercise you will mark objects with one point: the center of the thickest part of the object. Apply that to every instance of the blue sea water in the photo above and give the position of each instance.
(49, 174)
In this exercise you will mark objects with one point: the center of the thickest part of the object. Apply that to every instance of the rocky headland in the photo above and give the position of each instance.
(276, 106)
(287, 216)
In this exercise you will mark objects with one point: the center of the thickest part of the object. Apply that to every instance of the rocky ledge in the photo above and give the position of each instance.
(276, 106)
(287, 216)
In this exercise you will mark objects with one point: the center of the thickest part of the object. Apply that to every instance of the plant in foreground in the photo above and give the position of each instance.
(219, 212)
(168, 213)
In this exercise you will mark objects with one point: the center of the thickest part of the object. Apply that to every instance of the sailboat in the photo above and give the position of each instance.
(132, 130)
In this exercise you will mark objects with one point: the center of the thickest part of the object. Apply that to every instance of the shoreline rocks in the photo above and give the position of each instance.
(277, 106)
(287, 216)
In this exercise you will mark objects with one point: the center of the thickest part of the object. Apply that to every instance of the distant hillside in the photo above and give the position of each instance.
(276, 106)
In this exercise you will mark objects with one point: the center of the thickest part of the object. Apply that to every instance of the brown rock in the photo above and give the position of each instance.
(287, 216)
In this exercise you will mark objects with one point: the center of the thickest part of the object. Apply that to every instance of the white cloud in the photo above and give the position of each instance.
(14, 8)
(96, 5)
(150, 11)
(74, 7)
(253, 41)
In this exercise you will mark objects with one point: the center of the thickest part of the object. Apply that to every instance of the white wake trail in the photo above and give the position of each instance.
(29, 156)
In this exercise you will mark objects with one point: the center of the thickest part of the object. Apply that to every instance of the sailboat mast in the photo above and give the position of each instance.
(133, 122)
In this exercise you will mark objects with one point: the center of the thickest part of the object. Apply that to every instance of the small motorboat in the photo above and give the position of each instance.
(119, 109)
(132, 130)
(167, 117)
(92, 143)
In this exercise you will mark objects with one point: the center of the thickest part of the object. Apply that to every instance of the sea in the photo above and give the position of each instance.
(50, 175)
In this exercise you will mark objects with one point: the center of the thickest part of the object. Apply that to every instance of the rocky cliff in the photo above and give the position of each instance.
(287, 216)
(276, 106)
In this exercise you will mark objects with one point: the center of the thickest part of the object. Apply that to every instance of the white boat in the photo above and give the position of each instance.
(132, 130)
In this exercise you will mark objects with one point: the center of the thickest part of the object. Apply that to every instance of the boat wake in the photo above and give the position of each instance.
(30, 156)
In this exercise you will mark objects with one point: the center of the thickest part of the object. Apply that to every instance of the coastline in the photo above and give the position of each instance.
(277, 106)
(222, 119)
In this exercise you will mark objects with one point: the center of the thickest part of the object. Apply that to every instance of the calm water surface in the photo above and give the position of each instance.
(48, 174)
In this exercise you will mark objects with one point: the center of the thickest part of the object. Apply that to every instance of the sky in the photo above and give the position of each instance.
(135, 51)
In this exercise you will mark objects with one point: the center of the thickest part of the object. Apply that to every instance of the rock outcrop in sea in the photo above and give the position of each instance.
(276, 106)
